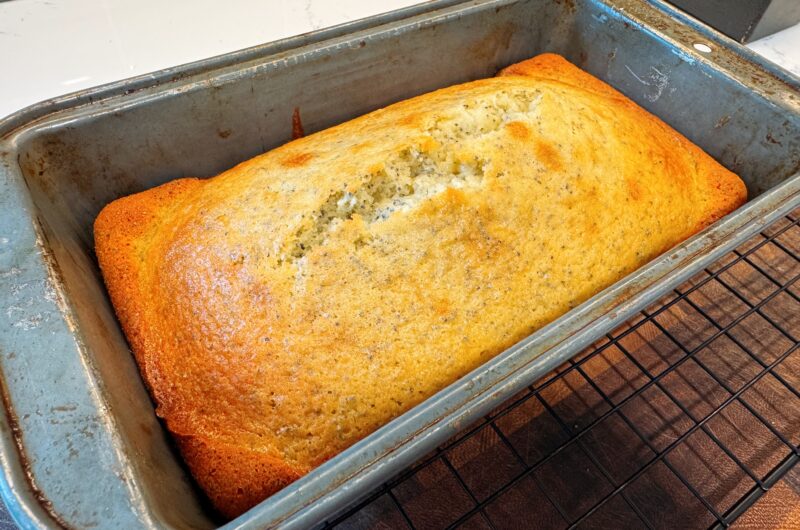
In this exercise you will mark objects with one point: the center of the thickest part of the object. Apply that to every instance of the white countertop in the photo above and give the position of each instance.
(52, 47)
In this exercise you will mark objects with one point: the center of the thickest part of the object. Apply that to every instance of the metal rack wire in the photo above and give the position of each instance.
(684, 417)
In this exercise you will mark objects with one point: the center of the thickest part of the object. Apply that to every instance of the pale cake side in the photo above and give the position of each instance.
(290, 306)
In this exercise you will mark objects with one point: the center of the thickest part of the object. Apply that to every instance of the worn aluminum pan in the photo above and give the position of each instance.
(80, 445)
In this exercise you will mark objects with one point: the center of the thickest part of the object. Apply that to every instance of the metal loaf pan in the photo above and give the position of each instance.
(80, 445)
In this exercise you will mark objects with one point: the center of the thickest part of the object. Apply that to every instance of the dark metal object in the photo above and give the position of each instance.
(744, 20)
(79, 425)
(616, 400)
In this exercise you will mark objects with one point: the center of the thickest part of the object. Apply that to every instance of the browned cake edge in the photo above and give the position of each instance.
(120, 230)
(234, 477)
(730, 190)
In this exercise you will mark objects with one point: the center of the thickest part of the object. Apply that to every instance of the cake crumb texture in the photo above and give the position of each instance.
(290, 306)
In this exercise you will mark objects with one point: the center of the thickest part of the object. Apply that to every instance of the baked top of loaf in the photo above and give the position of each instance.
(288, 307)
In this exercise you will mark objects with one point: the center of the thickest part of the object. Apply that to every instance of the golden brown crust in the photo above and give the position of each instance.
(556, 68)
(295, 303)
(120, 230)
(235, 477)
(727, 188)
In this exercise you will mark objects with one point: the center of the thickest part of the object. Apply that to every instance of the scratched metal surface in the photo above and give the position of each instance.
(79, 425)
(6, 522)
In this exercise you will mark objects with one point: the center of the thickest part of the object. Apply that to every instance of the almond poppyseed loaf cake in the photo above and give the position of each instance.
(290, 306)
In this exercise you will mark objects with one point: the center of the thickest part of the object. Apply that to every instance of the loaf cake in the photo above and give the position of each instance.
(290, 306)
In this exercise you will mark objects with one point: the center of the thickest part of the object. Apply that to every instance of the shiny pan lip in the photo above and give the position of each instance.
(80, 444)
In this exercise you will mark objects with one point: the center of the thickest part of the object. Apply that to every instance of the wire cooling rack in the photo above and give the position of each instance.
(682, 418)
